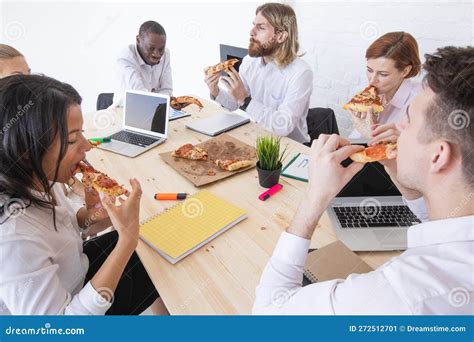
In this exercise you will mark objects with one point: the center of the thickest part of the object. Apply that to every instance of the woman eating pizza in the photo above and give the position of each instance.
(392, 61)
(46, 268)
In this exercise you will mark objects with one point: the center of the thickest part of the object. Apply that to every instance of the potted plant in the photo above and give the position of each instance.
(270, 159)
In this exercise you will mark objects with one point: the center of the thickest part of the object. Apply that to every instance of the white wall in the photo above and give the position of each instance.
(78, 42)
(335, 35)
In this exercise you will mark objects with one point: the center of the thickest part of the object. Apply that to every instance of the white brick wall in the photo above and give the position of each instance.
(78, 42)
(335, 35)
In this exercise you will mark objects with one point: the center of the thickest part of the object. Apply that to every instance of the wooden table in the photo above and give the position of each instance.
(221, 277)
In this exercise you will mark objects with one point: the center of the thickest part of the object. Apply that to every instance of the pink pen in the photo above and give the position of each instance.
(270, 192)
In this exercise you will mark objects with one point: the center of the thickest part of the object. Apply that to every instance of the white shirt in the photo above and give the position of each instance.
(418, 207)
(280, 96)
(434, 276)
(135, 74)
(395, 110)
(42, 270)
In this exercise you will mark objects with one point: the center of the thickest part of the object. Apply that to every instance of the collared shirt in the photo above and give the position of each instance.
(280, 96)
(395, 110)
(434, 276)
(418, 207)
(135, 74)
(42, 270)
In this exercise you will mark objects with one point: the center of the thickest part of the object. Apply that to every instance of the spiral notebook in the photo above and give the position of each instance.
(334, 261)
(186, 227)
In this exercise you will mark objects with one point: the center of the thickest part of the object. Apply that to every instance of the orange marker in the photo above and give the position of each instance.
(170, 196)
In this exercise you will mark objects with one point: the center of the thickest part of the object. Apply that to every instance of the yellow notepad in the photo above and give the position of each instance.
(182, 229)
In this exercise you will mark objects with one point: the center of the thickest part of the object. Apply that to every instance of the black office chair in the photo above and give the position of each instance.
(321, 121)
(104, 100)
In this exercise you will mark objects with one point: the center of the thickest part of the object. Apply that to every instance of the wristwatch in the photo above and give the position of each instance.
(246, 103)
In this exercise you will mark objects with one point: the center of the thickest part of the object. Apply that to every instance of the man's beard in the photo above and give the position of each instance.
(257, 49)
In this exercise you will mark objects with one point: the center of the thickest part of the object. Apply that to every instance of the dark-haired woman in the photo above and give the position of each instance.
(46, 268)
(392, 61)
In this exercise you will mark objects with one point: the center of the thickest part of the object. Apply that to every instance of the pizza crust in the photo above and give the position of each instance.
(233, 165)
(358, 107)
(221, 66)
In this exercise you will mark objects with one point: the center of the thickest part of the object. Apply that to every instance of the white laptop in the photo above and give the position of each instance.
(217, 124)
(145, 124)
(369, 213)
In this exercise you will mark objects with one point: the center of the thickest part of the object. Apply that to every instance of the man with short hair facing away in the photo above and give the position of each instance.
(145, 65)
(273, 84)
(435, 163)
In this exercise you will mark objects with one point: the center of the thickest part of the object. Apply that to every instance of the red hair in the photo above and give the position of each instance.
(401, 47)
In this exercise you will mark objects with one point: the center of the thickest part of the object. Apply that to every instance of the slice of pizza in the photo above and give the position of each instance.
(375, 153)
(232, 164)
(223, 66)
(180, 102)
(99, 181)
(365, 99)
(191, 152)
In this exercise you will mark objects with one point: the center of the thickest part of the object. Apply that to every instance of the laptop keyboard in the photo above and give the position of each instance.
(383, 216)
(133, 138)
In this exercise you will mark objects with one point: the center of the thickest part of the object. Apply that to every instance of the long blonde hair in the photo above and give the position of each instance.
(283, 18)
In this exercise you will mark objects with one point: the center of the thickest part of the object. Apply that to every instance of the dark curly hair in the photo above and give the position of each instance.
(450, 75)
(33, 112)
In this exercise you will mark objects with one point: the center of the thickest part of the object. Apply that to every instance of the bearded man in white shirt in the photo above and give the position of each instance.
(274, 85)
(434, 167)
(145, 65)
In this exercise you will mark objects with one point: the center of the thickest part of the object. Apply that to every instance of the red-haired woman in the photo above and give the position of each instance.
(392, 60)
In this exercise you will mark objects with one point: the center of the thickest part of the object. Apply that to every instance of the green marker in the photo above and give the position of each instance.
(100, 140)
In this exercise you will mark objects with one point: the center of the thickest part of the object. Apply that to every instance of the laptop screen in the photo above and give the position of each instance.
(146, 112)
(371, 181)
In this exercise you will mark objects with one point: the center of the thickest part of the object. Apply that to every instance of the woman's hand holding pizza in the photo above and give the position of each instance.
(94, 207)
(384, 134)
(363, 121)
(125, 217)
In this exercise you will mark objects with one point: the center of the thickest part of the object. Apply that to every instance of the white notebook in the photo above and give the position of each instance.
(297, 168)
